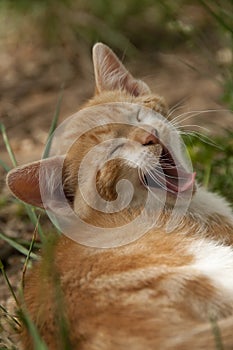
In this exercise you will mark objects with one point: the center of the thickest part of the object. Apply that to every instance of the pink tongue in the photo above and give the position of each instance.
(184, 182)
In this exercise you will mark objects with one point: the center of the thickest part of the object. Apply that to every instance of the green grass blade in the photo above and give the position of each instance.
(20, 248)
(8, 282)
(217, 334)
(29, 254)
(25, 243)
(206, 179)
(29, 209)
(38, 343)
(9, 316)
(217, 17)
(4, 166)
(7, 144)
(53, 125)
(34, 219)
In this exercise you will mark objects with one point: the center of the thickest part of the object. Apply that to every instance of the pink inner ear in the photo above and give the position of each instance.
(110, 73)
(24, 183)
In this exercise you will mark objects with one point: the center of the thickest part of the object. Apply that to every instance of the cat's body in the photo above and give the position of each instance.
(165, 290)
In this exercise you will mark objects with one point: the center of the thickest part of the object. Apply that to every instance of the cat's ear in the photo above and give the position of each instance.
(110, 73)
(36, 183)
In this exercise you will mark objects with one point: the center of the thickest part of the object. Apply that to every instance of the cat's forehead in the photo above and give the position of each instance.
(111, 113)
(116, 112)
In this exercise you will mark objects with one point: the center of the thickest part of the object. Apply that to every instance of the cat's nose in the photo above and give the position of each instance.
(145, 135)
(150, 138)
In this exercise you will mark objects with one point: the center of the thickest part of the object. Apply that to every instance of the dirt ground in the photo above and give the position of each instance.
(30, 84)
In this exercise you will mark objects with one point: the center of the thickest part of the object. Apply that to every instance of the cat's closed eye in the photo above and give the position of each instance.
(138, 116)
(116, 148)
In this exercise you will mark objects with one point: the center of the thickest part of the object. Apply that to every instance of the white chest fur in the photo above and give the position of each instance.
(214, 261)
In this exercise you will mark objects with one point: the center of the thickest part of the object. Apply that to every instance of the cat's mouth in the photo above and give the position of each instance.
(169, 175)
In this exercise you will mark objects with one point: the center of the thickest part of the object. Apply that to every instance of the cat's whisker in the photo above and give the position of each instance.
(157, 180)
(141, 176)
(159, 172)
(187, 113)
(202, 137)
(167, 167)
(170, 176)
(153, 192)
(193, 126)
(179, 116)
(175, 108)
(142, 179)
(177, 122)
(158, 177)
(178, 119)
(180, 104)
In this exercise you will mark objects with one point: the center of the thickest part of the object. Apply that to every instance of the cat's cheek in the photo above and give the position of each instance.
(107, 178)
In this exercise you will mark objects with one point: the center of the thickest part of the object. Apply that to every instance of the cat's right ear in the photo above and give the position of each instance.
(111, 74)
(37, 183)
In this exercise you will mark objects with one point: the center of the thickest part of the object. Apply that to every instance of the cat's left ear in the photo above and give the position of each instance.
(38, 183)
(110, 73)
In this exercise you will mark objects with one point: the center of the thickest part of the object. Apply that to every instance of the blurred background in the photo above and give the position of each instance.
(183, 49)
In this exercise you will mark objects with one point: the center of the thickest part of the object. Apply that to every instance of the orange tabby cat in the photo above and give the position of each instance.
(154, 289)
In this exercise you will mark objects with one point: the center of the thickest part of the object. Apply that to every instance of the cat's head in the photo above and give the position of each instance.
(108, 156)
